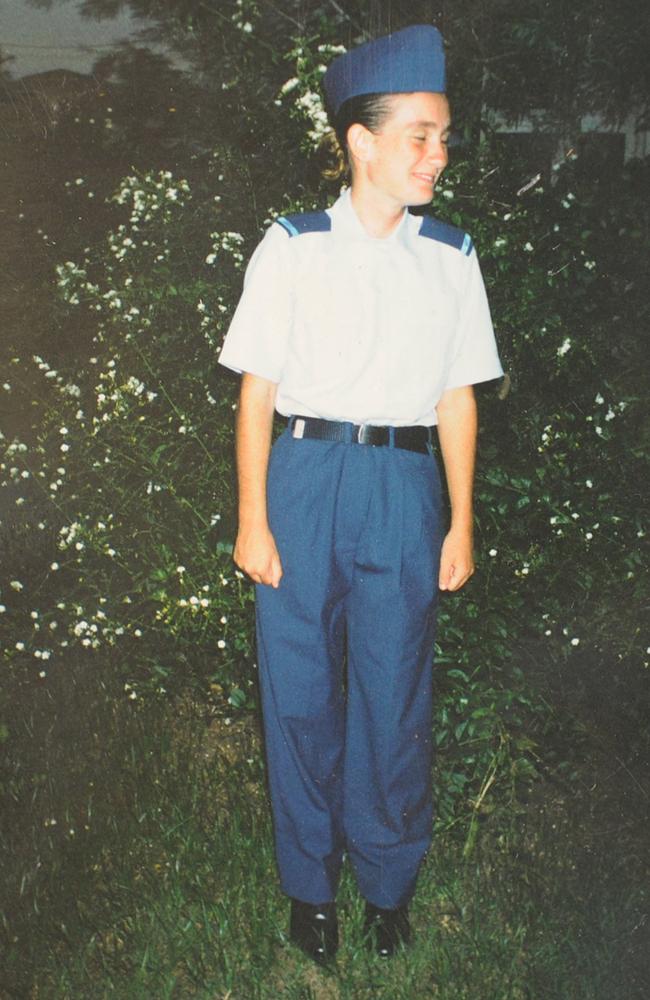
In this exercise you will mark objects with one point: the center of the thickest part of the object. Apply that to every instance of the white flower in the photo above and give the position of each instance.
(528, 247)
(575, 642)
(20, 646)
(16, 585)
(564, 347)
(492, 552)
(289, 85)
(221, 644)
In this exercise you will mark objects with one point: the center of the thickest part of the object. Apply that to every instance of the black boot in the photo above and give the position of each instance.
(386, 930)
(314, 928)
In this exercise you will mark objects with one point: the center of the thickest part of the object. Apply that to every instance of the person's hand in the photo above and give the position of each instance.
(456, 560)
(257, 555)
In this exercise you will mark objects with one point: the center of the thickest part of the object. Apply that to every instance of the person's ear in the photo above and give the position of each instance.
(361, 142)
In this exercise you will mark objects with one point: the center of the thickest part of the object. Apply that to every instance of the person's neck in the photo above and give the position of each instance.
(379, 215)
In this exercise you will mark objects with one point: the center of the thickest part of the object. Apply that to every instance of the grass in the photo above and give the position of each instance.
(167, 887)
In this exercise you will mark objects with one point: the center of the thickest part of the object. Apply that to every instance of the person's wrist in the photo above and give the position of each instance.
(253, 525)
(462, 525)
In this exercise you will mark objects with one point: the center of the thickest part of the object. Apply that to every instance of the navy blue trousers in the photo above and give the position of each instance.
(358, 529)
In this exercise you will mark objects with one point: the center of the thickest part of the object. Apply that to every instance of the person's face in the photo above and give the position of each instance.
(406, 157)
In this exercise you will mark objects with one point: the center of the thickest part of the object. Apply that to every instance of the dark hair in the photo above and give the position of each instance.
(370, 110)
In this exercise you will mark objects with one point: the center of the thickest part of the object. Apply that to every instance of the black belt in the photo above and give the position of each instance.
(416, 438)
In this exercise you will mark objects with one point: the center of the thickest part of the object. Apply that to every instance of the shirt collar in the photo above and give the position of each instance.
(347, 222)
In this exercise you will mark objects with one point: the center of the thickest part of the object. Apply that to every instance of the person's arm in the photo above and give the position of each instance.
(255, 550)
(457, 435)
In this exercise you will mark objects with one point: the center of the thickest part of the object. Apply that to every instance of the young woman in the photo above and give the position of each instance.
(365, 326)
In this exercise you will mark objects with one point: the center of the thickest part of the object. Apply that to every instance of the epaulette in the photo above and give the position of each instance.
(305, 222)
(443, 232)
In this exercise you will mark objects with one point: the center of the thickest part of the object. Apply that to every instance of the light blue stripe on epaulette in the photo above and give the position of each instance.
(305, 222)
(286, 224)
(443, 232)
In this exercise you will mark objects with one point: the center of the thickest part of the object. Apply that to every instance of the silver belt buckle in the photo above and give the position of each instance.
(372, 435)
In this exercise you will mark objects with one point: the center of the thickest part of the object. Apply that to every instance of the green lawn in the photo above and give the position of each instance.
(139, 864)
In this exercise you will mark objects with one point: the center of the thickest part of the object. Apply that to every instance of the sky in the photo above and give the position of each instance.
(58, 38)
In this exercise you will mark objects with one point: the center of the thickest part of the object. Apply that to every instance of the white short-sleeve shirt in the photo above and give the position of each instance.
(352, 327)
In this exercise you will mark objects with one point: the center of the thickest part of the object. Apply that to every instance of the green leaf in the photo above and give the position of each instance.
(237, 698)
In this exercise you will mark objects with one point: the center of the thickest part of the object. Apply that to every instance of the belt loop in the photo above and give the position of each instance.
(391, 436)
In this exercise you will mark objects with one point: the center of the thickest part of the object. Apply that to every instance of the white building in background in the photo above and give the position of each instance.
(619, 143)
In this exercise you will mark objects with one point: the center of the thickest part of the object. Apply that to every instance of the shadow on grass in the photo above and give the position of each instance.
(140, 865)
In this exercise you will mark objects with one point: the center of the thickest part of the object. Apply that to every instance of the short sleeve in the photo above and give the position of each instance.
(476, 358)
(258, 335)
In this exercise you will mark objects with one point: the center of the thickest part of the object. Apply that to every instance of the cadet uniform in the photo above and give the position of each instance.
(362, 336)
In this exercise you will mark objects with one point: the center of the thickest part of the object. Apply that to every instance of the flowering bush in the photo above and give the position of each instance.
(132, 472)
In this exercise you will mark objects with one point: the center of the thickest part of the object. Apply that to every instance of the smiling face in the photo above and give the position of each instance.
(402, 161)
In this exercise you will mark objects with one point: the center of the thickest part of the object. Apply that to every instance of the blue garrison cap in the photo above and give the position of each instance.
(409, 60)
